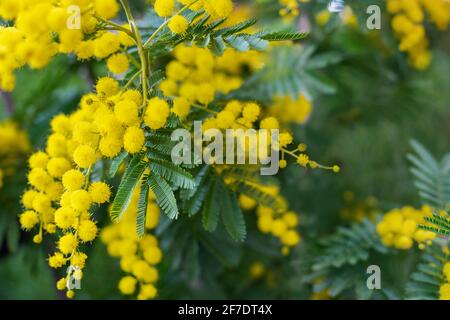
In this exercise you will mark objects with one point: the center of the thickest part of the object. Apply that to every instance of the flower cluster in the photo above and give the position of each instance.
(408, 25)
(301, 157)
(216, 9)
(138, 256)
(62, 193)
(196, 75)
(71, 26)
(14, 144)
(280, 223)
(289, 9)
(289, 110)
(399, 228)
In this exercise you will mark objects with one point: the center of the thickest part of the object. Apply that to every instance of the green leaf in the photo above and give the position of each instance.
(211, 207)
(284, 35)
(425, 282)
(236, 28)
(218, 46)
(432, 178)
(232, 216)
(195, 197)
(142, 207)
(238, 43)
(348, 246)
(164, 195)
(257, 43)
(172, 173)
(286, 74)
(116, 163)
(129, 181)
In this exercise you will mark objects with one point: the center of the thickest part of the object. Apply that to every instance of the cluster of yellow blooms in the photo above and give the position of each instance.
(14, 144)
(138, 256)
(290, 9)
(196, 75)
(408, 25)
(216, 9)
(69, 26)
(399, 228)
(62, 193)
(281, 223)
(288, 110)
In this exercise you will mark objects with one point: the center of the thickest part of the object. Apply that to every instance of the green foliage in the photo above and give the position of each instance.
(432, 177)
(339, 262)
(116, 163)
(428, 277)
(220, 202)
(165, 197)
(348, 246)
(141, 213)
(204, 34)
(291, 70)
(130, 180)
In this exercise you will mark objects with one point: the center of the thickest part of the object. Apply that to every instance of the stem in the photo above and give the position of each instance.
(141, 51)
(289, 152)
(204, 108)
(115, 26)
(88, 177)
(166, 22)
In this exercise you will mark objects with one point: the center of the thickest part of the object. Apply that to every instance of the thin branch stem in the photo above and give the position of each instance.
(141, 51)
(115, 26)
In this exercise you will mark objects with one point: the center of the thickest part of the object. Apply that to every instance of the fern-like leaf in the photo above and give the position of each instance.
(425, 282)
(176, 175)
(142, 207)
(348, 246)
(129, 181)
(116, 163)
(165, 197)
(432, 178)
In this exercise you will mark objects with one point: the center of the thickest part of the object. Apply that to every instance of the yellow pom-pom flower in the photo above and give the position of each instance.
(164, 8)
(68, 243)
(133, 139)
(118, 63)
(107, 87)
(80, 200)
(84, 156)
(157, 113)
(28, 219)
(73, 180)
(178, 24)
(126, 112)
(56, 167)
(100, 192)
(65, 217)
(127, 285)
(87, 231)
